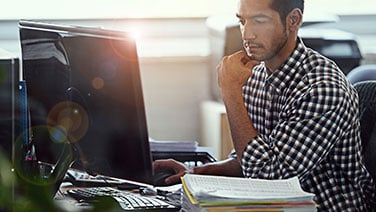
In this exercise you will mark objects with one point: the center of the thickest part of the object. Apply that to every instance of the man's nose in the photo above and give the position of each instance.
(247, 31)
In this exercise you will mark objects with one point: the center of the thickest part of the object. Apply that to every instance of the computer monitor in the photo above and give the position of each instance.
(84, 87)
(9, 70)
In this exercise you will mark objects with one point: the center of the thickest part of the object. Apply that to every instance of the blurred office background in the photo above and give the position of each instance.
(174, 45)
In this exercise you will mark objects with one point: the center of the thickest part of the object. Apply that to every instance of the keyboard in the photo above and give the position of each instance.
(128, 201)
(83, 179)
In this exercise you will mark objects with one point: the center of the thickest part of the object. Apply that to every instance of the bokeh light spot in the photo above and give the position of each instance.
(97, 83)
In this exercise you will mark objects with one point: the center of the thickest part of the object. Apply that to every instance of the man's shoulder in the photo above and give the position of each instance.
(316, 60)
(319, 67)
(318, 71)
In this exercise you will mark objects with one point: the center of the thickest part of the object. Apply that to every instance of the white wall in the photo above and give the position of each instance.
(173, 91)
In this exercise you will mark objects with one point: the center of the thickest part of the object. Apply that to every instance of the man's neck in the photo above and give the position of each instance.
(280, 58)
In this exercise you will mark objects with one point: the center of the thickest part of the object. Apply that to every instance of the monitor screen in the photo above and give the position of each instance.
(84, 87)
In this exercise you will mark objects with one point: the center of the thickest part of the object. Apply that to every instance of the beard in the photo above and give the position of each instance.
(263, 54)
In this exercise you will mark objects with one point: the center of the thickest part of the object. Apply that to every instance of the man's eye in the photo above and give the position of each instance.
(260, 20)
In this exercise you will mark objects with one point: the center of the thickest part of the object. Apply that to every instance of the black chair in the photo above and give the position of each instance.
(362, 73)
(367, 109)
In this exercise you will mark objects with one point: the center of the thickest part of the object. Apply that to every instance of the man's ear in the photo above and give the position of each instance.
(294, 19)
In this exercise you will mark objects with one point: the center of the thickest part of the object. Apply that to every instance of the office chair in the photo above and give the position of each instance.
(362, 73)
(367, 111)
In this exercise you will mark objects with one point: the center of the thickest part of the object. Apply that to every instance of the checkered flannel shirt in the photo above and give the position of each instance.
(306, 114)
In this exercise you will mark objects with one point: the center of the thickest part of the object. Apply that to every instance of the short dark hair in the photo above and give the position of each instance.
(284, 7)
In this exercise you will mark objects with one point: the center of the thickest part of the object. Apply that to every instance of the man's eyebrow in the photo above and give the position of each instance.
(260, 15)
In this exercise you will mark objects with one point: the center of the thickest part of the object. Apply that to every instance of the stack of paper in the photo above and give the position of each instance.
(173, 146)
(216, 193)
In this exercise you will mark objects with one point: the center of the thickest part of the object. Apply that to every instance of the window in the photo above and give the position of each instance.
(93, 9)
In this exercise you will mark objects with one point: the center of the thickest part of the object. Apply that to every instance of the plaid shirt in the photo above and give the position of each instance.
(306, 114)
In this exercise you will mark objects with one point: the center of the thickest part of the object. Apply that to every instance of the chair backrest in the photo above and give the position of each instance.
(362, 73)
(367, 108)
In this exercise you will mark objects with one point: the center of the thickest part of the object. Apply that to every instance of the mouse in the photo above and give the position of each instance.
(160, 176)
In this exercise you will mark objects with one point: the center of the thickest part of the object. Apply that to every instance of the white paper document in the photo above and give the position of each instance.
(209, 188)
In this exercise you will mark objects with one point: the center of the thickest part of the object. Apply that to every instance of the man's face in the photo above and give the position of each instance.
(263, 33)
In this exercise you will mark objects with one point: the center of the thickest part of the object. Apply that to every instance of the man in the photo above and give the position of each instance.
(291, 112)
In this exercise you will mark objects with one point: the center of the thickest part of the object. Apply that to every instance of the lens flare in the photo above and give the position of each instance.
(123, 50)
(67, 122)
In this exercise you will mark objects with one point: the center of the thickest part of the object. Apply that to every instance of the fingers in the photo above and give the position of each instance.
(164, 164)
(174, 179)
(169, 164)
(234, 70)
(238, 56)
(239, 59)
(243, 57)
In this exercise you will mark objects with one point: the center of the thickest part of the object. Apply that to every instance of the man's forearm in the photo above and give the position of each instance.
(241, 127)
